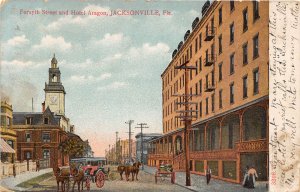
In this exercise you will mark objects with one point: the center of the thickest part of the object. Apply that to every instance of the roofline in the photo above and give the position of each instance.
(201, 21)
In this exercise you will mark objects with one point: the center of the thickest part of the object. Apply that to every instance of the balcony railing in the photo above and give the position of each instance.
(210, 34)
(209, 60)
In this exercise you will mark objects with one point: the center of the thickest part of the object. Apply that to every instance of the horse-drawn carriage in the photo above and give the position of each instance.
(80, 174)
(165, 171)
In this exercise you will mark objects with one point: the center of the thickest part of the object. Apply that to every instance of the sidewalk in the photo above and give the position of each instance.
(11, 182)
(198, 183)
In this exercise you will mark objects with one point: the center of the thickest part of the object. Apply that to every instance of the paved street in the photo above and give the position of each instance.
(145, 183)
(199, 183)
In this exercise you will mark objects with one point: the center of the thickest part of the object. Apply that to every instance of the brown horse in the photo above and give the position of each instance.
(137, 168)
(78, 177)
(62, 176)
(133, 169)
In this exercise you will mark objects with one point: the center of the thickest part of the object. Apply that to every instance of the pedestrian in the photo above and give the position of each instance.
(252, 176)
(14, 170)
(245, 181)
(208, 174)
(37, 165)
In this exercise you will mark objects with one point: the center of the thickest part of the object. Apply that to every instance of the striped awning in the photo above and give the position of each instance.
(5, 148)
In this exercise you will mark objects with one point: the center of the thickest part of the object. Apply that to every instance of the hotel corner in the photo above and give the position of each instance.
(229, 46)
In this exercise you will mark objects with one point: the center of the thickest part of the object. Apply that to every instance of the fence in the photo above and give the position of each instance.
(6, 169)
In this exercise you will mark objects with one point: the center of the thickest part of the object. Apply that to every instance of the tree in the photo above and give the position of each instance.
(73, 147)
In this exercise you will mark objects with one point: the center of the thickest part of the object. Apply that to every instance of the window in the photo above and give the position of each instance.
(212, 51)
(196, 45)
(10, 143)
(196, 67)
(232, 33)
(206, 81)
(245, 20)
(245, 53)
(191, 51)
(27, 137)
(206, 56)
(200, 40)
(220, 44)
(220, 71)
(196, 89)
(200, 86)
(255, 46)
(255, 81)
(231, 5)
(213, 102)
(191, 74)
(213, 77)
(28, 120)
(231, 93)
(255, 10)
(200, 109)
(245, 87)
(206, 111)
(27, 155)
(200, 64)
(220, 99)
(46, 137)
(231, 63)
(46, 153)
(220, 16)
(191, 91)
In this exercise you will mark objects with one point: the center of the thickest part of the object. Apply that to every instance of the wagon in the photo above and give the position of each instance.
(95, 174)
(165, 171)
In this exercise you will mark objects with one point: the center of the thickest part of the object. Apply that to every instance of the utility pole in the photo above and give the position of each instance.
(186, 116)
(142, 144)
(129, 142)
(117, 147)
(109, 153)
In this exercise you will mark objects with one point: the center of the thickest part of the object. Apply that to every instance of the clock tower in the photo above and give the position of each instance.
(54, 90)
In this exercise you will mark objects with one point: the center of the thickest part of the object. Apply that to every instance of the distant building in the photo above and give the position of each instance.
(138, 145)
(8, 143)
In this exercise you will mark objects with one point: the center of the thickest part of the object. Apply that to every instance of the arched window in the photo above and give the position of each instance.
(54, 78)
(230, 131)
(254, 124)
(178, 145)
(213, 135)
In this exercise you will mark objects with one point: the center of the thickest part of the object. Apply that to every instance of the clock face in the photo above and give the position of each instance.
(53, 99)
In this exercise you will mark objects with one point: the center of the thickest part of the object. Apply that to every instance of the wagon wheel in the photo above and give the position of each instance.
(163, 177)
(110, 176)
(100, 178)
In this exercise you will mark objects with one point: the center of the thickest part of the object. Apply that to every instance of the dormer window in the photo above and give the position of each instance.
(28, 120)
(46, 120)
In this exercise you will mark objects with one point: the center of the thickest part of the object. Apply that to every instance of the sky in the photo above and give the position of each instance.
(110, 66)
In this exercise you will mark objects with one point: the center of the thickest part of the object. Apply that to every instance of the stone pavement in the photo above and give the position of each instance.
(11, 182)
(198, 183)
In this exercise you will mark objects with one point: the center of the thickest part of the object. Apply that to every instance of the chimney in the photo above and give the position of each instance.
(205, 7)
(43, 106)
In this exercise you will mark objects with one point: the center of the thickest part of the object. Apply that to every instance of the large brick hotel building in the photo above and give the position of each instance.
(229, 46)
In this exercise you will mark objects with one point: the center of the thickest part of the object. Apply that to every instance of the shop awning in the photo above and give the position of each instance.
(5, 148)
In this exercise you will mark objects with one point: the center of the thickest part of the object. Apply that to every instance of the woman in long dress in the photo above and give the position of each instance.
(250, 181)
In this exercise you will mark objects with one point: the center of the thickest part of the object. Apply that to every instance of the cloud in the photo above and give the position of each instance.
(89, 78)
(49, 42)
(110, 39)
(147, 49)
(17, 63)
(17, 41)
(112, 86)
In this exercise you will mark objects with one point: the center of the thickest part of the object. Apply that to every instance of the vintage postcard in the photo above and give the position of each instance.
(150, 95)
